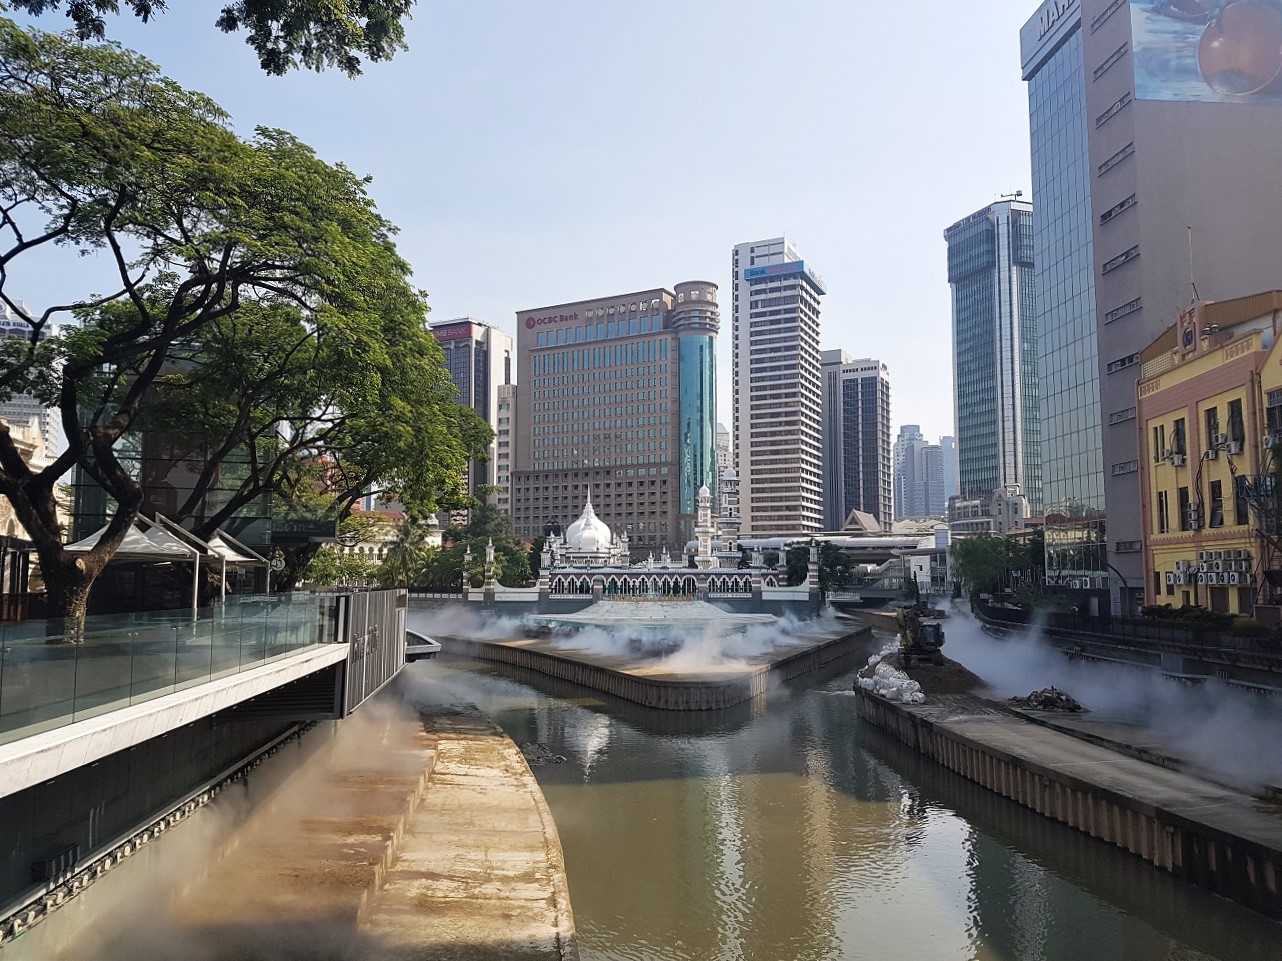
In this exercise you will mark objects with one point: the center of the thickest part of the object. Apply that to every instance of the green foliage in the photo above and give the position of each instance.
(745, 559)
(1190, 615)
(798, 565)
(836, 570)
(1245, 627)
(407, 557)
(330, 568)
(284, 33)
(770, 558)
(260, 307)
(984, 562)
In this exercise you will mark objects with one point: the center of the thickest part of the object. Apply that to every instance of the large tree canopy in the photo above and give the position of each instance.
(284, 33)
(260, 306)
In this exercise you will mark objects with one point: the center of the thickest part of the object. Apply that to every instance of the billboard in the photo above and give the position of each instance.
(1215, 51)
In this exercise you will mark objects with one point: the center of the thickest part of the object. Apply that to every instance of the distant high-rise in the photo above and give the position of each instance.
(778, 440)
(479, 359)
(906, 459)
(951, 467)
(995, 381)
(858, 473)
(618, 401)
(725, 450)
(1141, 157)
(24, 410)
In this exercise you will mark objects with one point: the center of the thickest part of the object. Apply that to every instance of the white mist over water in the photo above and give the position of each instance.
(688, 650)
(1231, 734)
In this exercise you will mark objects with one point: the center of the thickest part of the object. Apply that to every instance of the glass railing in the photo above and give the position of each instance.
(48, 681)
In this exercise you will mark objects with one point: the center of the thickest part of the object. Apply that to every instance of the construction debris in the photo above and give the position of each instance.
(1048, 699)
(539, 753)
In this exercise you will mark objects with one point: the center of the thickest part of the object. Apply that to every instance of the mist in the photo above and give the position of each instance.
(1227, 733)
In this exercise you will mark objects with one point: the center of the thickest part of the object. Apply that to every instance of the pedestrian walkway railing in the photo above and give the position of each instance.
(49, 679)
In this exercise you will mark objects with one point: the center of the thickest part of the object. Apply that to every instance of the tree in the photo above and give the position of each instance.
(404, 563)
(798, 564)
(983, 563)
(208, 234)
(836, 570)
(284, 33)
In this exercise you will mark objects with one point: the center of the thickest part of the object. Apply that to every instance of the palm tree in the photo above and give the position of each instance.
(404, 561)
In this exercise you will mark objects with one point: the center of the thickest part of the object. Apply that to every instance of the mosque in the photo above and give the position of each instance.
(591, 563)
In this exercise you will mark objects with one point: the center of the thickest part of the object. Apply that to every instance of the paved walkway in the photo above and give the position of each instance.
(1226, 809)
(480, 873)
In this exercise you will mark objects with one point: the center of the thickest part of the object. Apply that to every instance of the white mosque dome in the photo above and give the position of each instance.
(589, 533)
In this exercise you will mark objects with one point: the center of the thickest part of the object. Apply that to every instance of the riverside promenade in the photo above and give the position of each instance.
(1217, 837)
(417, 834)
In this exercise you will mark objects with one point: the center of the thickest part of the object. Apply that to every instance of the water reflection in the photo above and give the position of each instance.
(789, 831)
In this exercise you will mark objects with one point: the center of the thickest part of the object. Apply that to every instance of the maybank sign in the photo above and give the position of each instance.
(775, 270)
(1054, 21)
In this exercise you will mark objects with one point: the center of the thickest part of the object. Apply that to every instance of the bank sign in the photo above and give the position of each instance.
(777, 270)
(532, 322)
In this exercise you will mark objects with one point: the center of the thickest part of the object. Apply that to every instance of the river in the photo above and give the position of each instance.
(788, 831)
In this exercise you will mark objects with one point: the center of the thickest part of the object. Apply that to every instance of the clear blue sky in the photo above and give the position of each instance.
(538, 153)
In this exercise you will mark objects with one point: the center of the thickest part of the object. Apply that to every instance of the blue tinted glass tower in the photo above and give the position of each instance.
(695, 319)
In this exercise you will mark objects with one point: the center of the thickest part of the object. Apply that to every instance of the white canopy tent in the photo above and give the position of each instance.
(146, 541)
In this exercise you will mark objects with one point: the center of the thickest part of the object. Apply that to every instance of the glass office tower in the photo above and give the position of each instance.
(995, 378)
(696, 320)
(1064, 258)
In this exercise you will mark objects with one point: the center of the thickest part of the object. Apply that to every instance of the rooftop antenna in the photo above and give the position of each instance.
(1192, 282)
(1012, 196)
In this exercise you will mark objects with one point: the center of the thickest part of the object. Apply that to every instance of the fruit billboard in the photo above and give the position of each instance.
(1221, 51)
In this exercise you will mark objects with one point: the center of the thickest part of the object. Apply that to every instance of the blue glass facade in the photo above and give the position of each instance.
(1072, 455)
(698, 416)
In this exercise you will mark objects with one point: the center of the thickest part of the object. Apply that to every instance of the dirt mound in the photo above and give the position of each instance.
(1048, 699)
(947, 678)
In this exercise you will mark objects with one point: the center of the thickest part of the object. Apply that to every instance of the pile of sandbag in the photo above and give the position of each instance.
(885, 680)
(1048, 699)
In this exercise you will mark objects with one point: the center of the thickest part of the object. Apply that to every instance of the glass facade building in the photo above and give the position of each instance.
(858, 471)
(995, 376)
(696, 320)
(1072, 450)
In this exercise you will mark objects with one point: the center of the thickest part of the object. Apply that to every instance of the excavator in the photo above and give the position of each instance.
(920, 636)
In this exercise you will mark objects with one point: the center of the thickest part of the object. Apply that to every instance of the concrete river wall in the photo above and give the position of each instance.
(1211, 836)
(665, 693)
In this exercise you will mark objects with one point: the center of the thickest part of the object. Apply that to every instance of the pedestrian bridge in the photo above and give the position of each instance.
(130, 678)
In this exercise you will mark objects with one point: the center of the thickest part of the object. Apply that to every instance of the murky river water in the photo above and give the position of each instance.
(794, 832)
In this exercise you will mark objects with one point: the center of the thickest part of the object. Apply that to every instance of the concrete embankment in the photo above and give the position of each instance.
(420, 834)
(1219, 838)
(648, 684)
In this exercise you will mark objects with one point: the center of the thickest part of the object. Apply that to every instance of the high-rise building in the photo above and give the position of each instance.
(778, 400)
(24, 410)
(905, 456)
(479, 359)
(952, 480)
(858, 472)
(1138, 200)
(995, 383)
(505, 446)
(619, 402)
(725, 450)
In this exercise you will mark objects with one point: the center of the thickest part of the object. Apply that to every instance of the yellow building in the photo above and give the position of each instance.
(1209, 396)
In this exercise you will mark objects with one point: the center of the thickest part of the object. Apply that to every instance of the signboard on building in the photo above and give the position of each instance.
(450, 332)
(1208, 50)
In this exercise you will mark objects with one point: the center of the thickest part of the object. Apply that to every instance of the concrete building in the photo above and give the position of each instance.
(995, 383)
(479, 359)
(619, 405)
(906, 457)
(1139, 199)
(858, 473)
(505, 446)
(1000, 511)
(778, 395)
(23, 409)
(951, 471)
(725, 449)
(1209, 416)
(728, 519)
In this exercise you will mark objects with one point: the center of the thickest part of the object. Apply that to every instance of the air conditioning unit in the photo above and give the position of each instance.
(1167, 453)
(1203, 567)
(1224, 578)
(1075, 583)
(1234, 447)
(1212, 454)
(1181, 565)
(1201, 578)
(1203, 555)
(1217, 566)
(1219, 555)
(1219, 438)
(1235, 578)
(1177, 460)
(1182, 578)
(1246, 580)
(1170, 578)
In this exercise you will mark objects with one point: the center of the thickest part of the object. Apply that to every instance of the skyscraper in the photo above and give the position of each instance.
(952, 481)
(777, 391)
(24, 410)
(995, 383)
(905, 456)
(858, 472)
(1139, 199)
(619, 404)
(479, 359)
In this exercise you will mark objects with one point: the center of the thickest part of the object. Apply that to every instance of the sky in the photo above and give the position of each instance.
(534, 154)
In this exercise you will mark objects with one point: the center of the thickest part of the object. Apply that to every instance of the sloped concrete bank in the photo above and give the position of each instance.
(1215, 837)
(647, 684)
